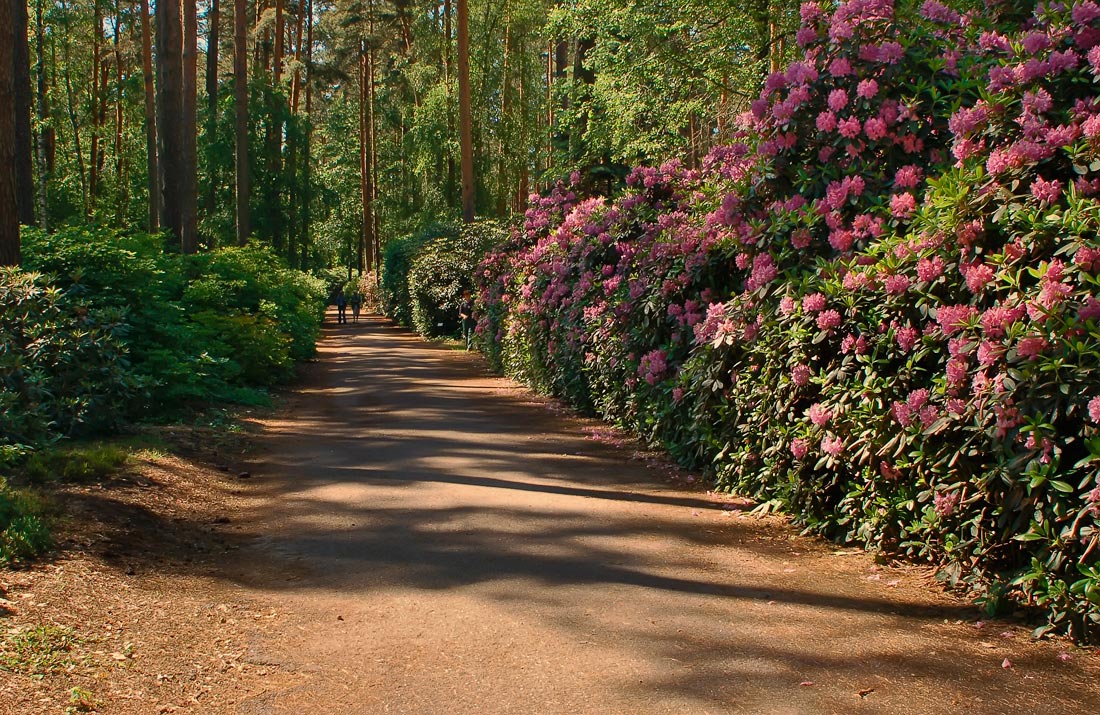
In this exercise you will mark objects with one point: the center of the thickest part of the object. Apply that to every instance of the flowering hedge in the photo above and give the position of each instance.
(877, 310)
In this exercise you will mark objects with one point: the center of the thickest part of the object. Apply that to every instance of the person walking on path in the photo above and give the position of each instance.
(356, 304)
(341, 307)
(466, 314)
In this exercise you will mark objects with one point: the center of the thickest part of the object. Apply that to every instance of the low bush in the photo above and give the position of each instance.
(441, 271)
(24, 532)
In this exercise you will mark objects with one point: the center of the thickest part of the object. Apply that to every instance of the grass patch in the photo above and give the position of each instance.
(40, 650)
(76, 464)
(24, 527)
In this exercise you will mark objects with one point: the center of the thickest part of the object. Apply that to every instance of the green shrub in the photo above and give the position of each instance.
(64, 368)
(24, 532)
(397, 262)
(441, 271)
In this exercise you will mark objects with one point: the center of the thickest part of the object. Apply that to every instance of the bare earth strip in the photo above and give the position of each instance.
(416, 537)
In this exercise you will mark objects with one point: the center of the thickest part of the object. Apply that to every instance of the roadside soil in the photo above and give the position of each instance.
(411, 535)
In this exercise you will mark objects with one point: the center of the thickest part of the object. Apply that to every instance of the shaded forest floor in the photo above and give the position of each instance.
(411, 535)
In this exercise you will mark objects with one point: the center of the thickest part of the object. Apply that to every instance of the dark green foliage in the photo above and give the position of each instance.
(63, 369)
(24, 532)
(441, 271)
(211, 327)
(397, 261)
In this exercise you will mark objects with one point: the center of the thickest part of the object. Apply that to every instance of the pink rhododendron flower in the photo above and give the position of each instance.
(902, 205)
(978, 276)
(902, 413)
(929, 269)
(833, 446)
(800, 375)
(907, 338)
(989, 353)
(867, 89)
(1085, 12)
(819, 414)
(787, 305)
(840, 67)
(1031, 347)
(896, 284)
(828, 320)
(1090, 309)
(945, 503)
(938, 12)
(874, 128)
(952, 318)
(826, 122)
(799, 448)
(908, 177)
(1049, 191)
(1094, 410)
(956, 372)
(814, 303)
(838, 100)
(850, 128)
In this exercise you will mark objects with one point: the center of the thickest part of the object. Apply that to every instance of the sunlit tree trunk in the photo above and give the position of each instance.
(170, 115)
(307, 167)
(94, 159)
(121, 188)
(21, 70)
(9, 217)
(150, 119)
(240, 85)
(189, 237)
(465, 121)
(42, 149)
(212, 48)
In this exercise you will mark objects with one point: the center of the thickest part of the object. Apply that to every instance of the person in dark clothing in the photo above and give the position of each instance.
(466, 315)
(341, 307)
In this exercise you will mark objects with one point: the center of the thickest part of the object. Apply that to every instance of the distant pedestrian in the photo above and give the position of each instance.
(356, 304)
(466, 315)
(341, 307)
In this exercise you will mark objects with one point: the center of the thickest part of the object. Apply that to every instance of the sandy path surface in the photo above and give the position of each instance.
(441, 542)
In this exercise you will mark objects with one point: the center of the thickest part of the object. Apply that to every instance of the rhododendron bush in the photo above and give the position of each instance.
(878, 309)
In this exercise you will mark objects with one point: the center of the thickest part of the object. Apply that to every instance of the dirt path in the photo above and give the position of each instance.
(440, 542)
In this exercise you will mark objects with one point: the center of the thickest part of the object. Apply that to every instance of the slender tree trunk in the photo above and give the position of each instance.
(502, 138)
(307, 168)
(172, 161)
(292, 140)
(24, 152)
(212, 47)
(43, 117)
(189, 235)
(465, 121)
(152, 180)
(273, 137)
(94, 160)
(240, 90)
(71, 105)
(9, 216)
(364, 255)
(296, 80)
(448, 33)
(120, 183)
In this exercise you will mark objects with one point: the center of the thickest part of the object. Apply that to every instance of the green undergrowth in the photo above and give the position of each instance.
(40, 650)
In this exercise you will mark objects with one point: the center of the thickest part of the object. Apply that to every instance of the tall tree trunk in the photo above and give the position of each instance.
(120, 184)
(448, 33)
(502, 138)
(43, 117)
(153, 179)
(212, 41)
(273, 137)
(465, 121)
(71, 105)
(189, 234)
(21, 72)
(172, 161)
(307, 168)
(9, 216)
(364, 254)
(240, 91)
(94, 160)
(292, 140)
